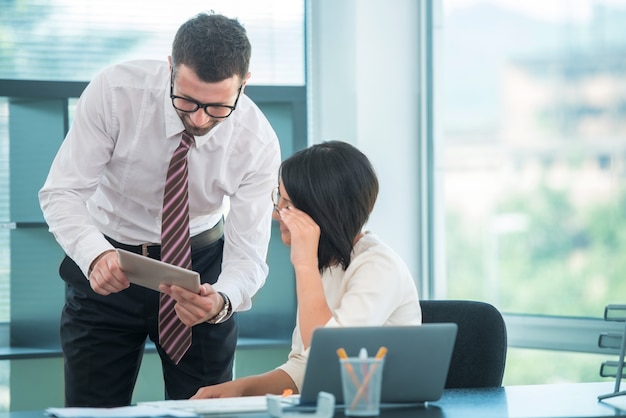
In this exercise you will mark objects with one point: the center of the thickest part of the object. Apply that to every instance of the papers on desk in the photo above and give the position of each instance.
(175, 408)
(121, 412)
(213, 406)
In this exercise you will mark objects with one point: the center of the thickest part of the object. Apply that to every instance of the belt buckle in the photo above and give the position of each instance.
(144, 248)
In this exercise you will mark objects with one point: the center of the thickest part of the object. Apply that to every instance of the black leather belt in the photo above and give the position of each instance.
(203, 239)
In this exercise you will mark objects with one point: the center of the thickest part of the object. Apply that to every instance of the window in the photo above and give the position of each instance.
(70, 40)
(534, 161)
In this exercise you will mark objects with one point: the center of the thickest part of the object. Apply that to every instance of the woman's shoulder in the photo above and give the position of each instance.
(371, 242)
(371, 247)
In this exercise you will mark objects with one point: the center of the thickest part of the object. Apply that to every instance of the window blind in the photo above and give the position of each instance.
(70, 40)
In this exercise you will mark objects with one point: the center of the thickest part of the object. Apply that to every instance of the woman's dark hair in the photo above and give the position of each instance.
(336, 185)
(215, 47)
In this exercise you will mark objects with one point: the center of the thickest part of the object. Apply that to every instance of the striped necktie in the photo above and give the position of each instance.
(174, 336)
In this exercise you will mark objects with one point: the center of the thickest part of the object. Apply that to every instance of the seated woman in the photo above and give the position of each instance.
(344, 275)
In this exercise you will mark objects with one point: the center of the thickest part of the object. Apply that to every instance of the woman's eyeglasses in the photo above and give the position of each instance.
(276, 198)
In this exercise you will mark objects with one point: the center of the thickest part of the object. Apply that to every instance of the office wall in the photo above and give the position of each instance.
(364, 89)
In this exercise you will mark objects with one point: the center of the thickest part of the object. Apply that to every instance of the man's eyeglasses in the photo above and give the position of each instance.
(189, 105)
(276, 198)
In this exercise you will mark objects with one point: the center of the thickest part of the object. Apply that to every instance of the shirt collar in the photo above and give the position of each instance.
(173, 124)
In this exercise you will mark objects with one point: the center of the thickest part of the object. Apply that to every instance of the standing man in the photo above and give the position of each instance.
(107, 188)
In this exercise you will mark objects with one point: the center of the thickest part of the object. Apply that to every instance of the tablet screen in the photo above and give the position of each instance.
(150, 273)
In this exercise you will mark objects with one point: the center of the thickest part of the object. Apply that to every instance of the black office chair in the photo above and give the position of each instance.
(479, 354)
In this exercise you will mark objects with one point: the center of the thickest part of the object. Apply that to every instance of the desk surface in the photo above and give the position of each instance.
(533, 401)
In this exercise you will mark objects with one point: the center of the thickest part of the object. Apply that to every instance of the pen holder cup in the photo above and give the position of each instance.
(362, 382)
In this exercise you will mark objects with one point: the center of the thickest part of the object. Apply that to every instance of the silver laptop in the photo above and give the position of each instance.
(415, 368)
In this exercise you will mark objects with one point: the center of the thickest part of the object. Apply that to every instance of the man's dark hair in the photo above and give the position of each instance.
(336, 185)
(215, 47)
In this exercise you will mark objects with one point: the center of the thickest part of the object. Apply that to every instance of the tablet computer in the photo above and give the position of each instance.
(150, 273)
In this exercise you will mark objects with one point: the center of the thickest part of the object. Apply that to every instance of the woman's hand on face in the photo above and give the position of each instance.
(305, 236)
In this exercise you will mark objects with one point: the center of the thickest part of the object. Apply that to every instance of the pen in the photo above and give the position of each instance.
(341, 352)
(382, 351)
(363, 357)
(363, 353)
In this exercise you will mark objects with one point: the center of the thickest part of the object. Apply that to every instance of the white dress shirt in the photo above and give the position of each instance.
(376, 289)
(108, 175)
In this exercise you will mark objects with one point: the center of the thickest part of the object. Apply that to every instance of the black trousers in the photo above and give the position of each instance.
(103, 339)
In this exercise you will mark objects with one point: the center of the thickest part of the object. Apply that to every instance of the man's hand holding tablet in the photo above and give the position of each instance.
(151, 273)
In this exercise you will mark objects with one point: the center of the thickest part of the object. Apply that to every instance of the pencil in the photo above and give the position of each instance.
(341, 352)
(382, 351)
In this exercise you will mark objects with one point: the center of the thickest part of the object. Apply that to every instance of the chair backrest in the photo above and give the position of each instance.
(479, 354)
